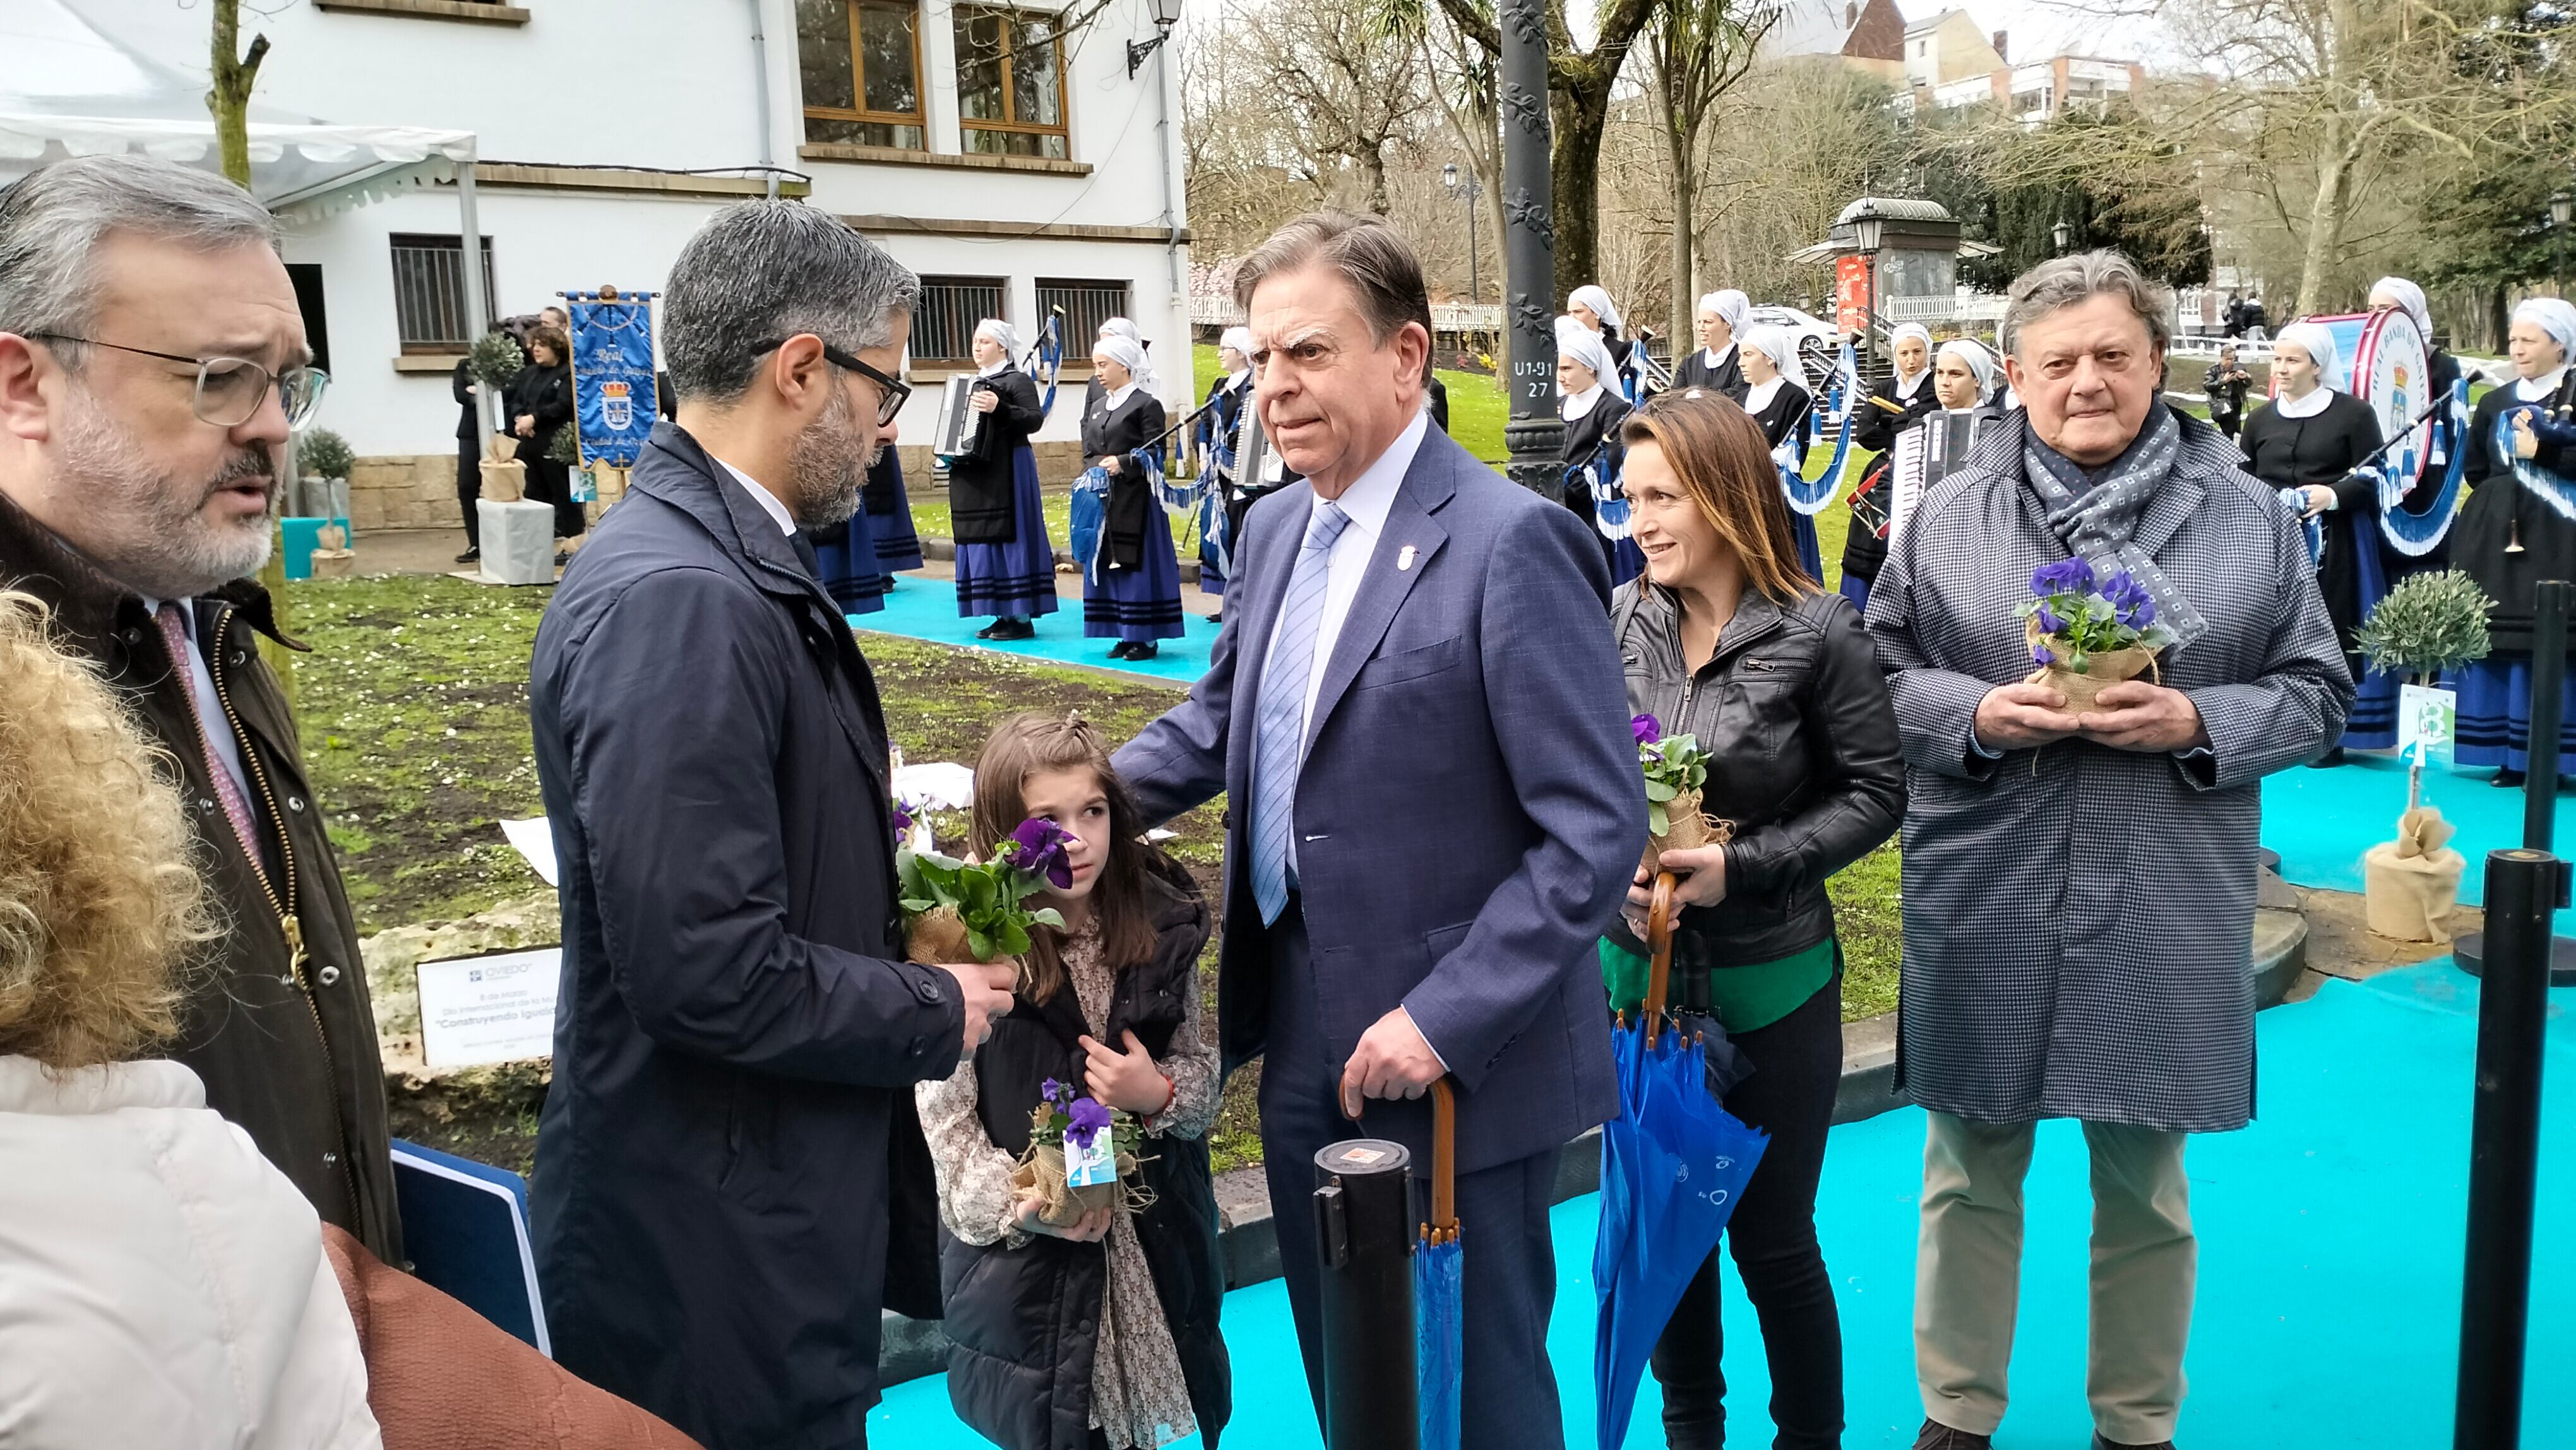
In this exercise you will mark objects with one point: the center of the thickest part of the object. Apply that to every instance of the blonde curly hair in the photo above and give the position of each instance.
(101, 900)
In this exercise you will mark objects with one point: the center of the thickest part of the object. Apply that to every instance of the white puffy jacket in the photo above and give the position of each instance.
(160, 1284)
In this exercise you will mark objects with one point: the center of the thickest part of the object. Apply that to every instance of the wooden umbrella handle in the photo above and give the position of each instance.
(1659, 942)
(1444, 1159)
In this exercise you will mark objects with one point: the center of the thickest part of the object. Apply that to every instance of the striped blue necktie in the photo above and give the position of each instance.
(1279, 732)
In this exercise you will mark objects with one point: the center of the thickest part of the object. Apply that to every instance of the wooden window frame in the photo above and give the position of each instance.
(1010, 82)
(918, 120)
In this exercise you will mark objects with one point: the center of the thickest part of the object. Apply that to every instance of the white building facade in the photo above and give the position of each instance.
(1002, 151)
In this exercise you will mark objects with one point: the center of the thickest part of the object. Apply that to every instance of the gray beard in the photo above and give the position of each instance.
(147, 530)
(826, 467)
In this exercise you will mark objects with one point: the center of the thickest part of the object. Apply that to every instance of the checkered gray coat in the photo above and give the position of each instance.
(2078, 919)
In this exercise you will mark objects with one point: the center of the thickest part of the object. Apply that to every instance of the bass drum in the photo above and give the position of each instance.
(2385, 360)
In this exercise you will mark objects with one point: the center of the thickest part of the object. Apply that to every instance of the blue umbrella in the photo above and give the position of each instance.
(1673, 1164)
(1438, 1283)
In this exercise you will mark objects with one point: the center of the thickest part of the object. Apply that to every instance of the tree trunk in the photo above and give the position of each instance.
(235, 73)
(2325, 221)
(1578, 115)
(1676, 133)
(1374, 162)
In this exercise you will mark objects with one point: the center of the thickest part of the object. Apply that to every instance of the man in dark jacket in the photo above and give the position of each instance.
(469, 456)
(731, 1179)
(152, 361)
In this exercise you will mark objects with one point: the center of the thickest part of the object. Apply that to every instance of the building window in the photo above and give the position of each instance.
(944, 330)
(862, 65)
(1086, 305)
(429, 292)
(1010, 83)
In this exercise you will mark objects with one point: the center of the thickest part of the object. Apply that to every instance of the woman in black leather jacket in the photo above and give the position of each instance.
(1726, 639)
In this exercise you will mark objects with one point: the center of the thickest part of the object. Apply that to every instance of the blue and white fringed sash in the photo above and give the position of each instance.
(2555, 490)
(2100, 523)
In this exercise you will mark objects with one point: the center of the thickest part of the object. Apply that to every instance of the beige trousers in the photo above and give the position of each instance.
(1967, 1275)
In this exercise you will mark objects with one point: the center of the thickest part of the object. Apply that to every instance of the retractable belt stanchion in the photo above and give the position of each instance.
(1365, 1227)
(2540, 781)
(2525, 888)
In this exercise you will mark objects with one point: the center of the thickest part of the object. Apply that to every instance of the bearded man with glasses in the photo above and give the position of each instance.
(152, 364)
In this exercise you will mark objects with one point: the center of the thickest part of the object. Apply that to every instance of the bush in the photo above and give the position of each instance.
(2427, 624)
(324, 454)
(495, 359)
(565, 446)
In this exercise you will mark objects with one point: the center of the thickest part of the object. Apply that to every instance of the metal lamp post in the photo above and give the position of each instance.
(2562, 208)
(1167, 13)
(1535, 433)
(2063, 234)
(1449, 182)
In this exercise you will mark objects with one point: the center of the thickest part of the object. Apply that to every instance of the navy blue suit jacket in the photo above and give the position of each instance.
(1470, 809)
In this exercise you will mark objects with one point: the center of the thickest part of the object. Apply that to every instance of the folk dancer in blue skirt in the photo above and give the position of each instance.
(889, 514)
(2519, 528)
(1220, 439)
(1779, 402)
(1131, 587)
(1587, 378)
(1005, 562)
(2307, 441)
(845, 563)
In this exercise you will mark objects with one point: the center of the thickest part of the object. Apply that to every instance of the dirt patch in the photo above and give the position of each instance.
(2341, 944)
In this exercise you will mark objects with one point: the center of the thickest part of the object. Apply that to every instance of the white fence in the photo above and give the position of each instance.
(1973, 307)
(1445, 316)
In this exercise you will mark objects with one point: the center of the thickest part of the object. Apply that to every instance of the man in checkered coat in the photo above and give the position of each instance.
(2079, 888)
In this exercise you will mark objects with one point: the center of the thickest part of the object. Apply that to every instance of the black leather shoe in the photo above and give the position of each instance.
(987, 631)
(470, 556)
(2101, 1443)
(1144, 651)
(1937, 1436)
(2506, 779)
(1010, 629)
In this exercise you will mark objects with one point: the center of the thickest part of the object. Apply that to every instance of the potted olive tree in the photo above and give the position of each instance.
(492, 363)
(2427, 626)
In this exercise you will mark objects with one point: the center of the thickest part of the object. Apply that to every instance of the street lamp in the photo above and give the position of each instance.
(1449, 182)
(2063, 233)
(1535, 434)
(2562, 207)
(1167, 13)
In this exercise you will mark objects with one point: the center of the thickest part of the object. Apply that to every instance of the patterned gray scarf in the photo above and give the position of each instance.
(2098, 523)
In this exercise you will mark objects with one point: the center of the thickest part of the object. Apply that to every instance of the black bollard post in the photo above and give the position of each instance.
(2548, 679)
(2524, 889)
(1365, 1225)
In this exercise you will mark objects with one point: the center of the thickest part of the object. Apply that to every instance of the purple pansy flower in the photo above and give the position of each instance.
(1051, 1090)
(2050, 621)
(2039, 655)
(2066, 576)
(1646, 728)
(1084, 1121)
(902, 818)
(1037, 847)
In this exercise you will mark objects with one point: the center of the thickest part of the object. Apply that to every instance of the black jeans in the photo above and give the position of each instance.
(469, 487)
(1797, 1062)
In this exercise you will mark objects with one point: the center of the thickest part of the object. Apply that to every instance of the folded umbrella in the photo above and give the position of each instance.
(1438, 1283)
(1673, 1164)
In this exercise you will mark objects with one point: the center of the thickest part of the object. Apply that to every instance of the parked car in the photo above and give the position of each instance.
(1818, 342)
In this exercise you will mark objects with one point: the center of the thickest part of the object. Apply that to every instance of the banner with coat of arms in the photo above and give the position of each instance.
(612, 374)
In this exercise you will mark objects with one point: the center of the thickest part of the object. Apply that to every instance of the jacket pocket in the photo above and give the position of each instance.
(1412, 664)
(1438, 944)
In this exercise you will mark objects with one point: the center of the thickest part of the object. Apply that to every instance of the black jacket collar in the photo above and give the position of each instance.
(679, 471)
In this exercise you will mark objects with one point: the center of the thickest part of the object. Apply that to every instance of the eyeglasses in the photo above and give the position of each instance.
(891, 392)
(231, 389)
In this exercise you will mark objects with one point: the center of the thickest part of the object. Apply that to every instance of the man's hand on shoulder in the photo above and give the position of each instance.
(985, 988)
(1394, 1060)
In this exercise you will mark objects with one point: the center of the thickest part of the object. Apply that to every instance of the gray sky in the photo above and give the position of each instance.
(2041, 28)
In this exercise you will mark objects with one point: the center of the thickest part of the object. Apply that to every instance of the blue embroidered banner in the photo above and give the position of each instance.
(612, 375)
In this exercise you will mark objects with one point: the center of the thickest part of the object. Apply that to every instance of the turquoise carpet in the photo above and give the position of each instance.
(2331, 1237)
(925, 608)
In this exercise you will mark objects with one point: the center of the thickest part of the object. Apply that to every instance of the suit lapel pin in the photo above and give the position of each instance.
(1404, 559)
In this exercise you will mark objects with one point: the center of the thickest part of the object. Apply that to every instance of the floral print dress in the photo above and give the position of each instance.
(1138, 1397)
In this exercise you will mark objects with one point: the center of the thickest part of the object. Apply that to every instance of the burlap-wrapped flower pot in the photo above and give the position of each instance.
(2101, 671)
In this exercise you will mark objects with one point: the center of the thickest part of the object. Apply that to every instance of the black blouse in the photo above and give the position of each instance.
(1119, 432)
(1727, 377)
(982, 483)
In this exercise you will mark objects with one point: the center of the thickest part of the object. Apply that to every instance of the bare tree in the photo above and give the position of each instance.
(1699, 50)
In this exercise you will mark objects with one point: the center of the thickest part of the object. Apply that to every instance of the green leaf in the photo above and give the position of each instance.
(1047, 916)
(915, 905)
(1014, 939)
(1657, 823)
(980, 944)
(1659, 792)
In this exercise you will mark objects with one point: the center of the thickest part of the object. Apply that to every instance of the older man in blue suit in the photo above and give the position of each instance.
(1418, 717)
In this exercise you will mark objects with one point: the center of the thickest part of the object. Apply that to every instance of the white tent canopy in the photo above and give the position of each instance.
(67, 89)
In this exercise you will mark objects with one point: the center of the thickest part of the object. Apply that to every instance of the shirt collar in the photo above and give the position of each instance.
(1759, 396)
(1718, 355)
(2532, 390)
(2315, 402)
(994, 368)
(1372, 495)
(1580, 405)
(768, 501)
(1117, 398)
(1236, 380)
(1906, 388)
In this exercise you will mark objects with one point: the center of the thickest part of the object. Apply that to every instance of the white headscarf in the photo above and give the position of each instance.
(1240, 339)
(1583, 346)
(1905, 386)
(1120, 327)
(2409, 299)
(2553, 315)
(1980, 362)
(1127, 353)
(1774, 344)
(1001, 333)
(2319, 343)
(1731, 306)
(1599, 301)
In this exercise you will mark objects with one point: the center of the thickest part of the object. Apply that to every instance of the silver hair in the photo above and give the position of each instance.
(764, 271)
(53, 219)
(2068, 281)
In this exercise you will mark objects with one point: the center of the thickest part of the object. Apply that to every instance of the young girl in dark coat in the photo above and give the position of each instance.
(1102, 1332)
